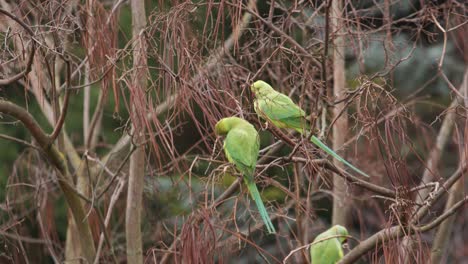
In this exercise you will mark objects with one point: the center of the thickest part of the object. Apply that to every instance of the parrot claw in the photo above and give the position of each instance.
(226, 167)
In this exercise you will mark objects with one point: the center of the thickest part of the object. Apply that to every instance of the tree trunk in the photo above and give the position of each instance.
(137, 160)
(431, 171)
(340, 206)
(456, 193)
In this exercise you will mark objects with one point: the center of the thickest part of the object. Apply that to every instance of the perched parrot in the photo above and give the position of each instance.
(328, 251)
(282, 112)
(241, 146)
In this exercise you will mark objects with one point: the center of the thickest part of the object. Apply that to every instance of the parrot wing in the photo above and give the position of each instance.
(241, 147)
(281, 111)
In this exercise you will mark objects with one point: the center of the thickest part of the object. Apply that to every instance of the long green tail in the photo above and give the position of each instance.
(329, 151)
(261, 208)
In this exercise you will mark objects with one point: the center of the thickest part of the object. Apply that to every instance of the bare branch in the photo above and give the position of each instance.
(63, 113)
(369, 244)
(60, 163)
(17, 140)
(435, 154)
(23, 73)
(448, 212)
(350, 178)
(286, 36)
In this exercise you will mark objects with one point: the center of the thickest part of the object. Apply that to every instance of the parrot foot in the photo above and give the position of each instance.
(226, 167)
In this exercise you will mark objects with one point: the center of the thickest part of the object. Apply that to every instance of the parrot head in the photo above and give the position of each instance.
(340, 231)
(261, 87)
(224, 125)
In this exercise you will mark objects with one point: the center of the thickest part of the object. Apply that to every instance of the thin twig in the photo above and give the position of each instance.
(31, 54)
(284, 35)
(17, 140)
(350, 178)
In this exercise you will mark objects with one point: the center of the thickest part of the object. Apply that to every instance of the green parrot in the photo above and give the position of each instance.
(328, 251)
(241, 146)
(282, 112)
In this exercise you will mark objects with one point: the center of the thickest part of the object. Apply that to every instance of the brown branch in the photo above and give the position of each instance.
(298, 212)
(79, 87)
(448, 212)
(65, 181)
(19, 21)
(63, 113)
(240, 236)
(441, 141)
(284, 35)
(349, 177)
(28, 121)
(444, 47)
(228, 192)
(435, 197)
(456, 193)
(91, 138)
(365, 246)
(326, 45)
(24, 72)
(17, 140)
(24, 239)
(387, 234)
(394, 232)
(450, 85)
(70, 150)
